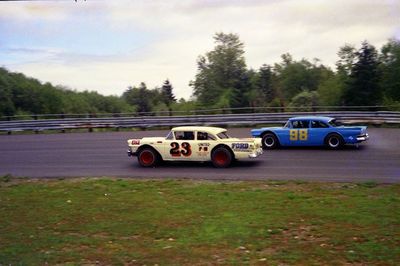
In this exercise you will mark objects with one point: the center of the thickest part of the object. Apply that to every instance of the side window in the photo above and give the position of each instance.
(300, 124)
(184, 135)
(318, 124)
(204, 136)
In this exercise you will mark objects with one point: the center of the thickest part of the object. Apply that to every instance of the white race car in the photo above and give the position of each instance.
(194, 143)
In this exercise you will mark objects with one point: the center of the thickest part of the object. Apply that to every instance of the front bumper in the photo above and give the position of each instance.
(362, 138)
(256, 153)
(131, 153)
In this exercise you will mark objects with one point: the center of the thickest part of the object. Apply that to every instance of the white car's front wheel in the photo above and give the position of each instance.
(147, 157)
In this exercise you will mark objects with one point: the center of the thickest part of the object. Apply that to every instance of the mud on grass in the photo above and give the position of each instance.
(122, 221)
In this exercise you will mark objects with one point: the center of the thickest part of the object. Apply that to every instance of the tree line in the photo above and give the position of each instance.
(363, 77)
(21, 95)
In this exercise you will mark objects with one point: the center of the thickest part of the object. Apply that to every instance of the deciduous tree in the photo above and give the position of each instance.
(221, 79)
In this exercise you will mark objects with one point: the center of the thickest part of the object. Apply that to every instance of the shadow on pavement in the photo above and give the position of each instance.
(199, 165)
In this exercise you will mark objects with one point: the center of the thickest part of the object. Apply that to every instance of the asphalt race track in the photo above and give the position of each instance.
(104, 154)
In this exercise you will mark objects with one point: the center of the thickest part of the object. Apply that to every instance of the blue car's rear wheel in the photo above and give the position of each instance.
(269, 141)
(334, 141)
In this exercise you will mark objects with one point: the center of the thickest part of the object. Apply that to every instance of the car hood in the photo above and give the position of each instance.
(151, 140)
(266, 128)
(146, 140)
(273, 127)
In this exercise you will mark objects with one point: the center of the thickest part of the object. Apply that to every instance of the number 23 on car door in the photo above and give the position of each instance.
(180, 145)
(180, 150)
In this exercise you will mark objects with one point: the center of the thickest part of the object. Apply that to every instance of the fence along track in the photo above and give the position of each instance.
(63, 124)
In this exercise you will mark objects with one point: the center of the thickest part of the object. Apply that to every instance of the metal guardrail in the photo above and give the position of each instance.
(375, 117)
(240, 110)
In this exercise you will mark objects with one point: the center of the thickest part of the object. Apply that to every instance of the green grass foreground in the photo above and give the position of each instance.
(164, 222)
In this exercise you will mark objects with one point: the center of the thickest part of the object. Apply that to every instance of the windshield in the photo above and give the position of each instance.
(170, 136)
(335, 123)
(223, 135)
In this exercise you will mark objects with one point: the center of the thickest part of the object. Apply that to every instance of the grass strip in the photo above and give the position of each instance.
(181, 222)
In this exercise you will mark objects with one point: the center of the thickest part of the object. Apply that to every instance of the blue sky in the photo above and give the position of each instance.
(109, 45)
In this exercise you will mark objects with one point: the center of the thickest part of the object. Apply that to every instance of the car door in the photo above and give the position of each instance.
(299, 133)
(317, 133)
(205, 141)
(179, 146)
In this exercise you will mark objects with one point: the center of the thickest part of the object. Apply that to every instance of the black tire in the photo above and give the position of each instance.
(221, 157)
(334, 141)
(147, 157)
(269, 141)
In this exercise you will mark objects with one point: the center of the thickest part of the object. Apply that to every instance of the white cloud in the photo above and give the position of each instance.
(183, 30)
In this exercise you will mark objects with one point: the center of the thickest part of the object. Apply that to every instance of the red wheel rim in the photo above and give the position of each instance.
(147, 157)
(221, 158)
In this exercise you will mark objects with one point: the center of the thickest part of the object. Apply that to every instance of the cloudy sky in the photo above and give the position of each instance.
(106, 45)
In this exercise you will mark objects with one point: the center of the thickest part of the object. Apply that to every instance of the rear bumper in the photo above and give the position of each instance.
(256, 153)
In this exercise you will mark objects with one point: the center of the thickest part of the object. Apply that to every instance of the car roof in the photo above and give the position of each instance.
(213, 130)
(312, 117)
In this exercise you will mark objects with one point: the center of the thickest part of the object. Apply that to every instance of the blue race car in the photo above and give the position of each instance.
(311, 131)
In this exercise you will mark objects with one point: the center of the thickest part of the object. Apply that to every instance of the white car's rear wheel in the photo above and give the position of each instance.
(221, 157)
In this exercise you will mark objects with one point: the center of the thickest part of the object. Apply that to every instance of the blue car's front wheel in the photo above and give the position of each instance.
(269, 141)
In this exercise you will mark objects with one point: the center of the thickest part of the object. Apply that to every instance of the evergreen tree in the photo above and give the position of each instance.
(239, 92)
(347, 56)
(264, 83)
(391, 70)
(167, 94)
(362, 88)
